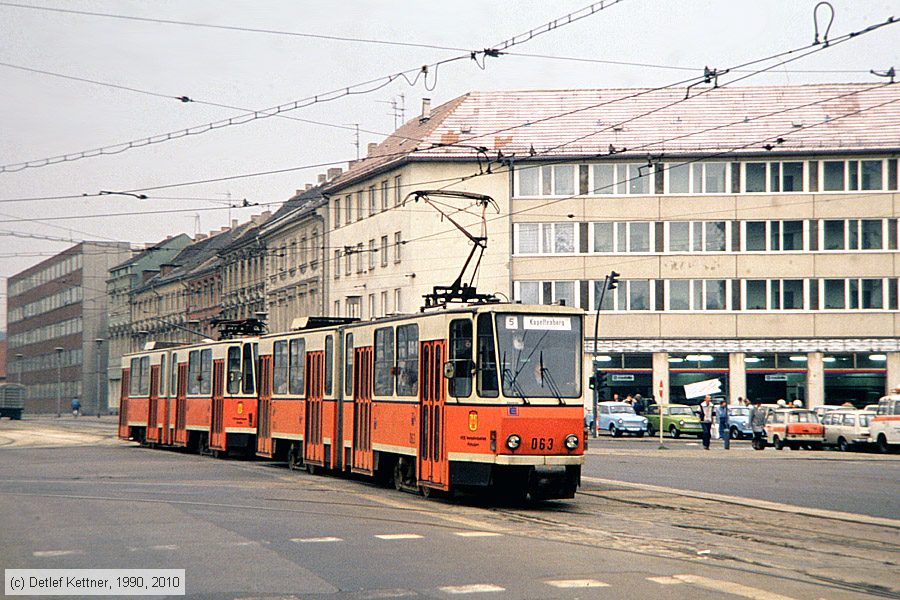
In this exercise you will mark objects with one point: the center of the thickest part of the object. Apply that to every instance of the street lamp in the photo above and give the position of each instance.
(59, 351)
(610, 282)
(99, 342)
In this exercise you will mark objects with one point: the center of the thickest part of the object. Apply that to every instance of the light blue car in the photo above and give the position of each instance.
(739, 422)
(619, 417)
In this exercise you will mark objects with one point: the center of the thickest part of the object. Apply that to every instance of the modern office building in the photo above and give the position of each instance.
(754, 229)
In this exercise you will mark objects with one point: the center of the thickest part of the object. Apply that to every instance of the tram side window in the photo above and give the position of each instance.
(249, 384)
(384, 361)
(280, 368)
(136, 385)
(460, 384)
(298, 367)
(234, 369)
(407, 360)
(329, 364)
(145, 376)
(348, 366)
(488, 385)
(194, 372)
(206, 372)
(162, 376)
(173, 367)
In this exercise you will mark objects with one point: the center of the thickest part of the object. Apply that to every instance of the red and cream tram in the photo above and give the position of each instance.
(488, 395)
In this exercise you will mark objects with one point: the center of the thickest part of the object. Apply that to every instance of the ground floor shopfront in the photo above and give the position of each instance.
(814, 371)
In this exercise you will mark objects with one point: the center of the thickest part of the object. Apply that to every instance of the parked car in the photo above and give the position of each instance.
(847, 428)
(676, 419)
(619, 417)
(794, 428)
(823, 409)
(884, 427)
(739, 422)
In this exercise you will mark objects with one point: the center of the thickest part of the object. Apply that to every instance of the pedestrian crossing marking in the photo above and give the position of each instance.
(51, 553)
(665, 580)
(577, 583)
(475, 588)
(399, 536)
(316, 540)
(476, 533)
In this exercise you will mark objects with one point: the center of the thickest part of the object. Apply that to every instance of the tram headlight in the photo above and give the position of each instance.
(571, 441)
(513, 442)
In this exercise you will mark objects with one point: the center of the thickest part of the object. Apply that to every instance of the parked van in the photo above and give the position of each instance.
(884, 428)
(847, 428)
(794, 428)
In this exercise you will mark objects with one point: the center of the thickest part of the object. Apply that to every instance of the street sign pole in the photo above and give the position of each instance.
(609, 283)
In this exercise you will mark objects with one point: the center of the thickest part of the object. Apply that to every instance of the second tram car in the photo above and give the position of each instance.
(474, 397)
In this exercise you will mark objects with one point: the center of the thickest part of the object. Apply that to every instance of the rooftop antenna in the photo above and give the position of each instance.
(459, 291)
(355, 127)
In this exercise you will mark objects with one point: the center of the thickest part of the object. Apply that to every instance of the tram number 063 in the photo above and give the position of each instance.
(541, 443)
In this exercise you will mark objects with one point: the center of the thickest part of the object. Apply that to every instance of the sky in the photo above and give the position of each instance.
(147, 66)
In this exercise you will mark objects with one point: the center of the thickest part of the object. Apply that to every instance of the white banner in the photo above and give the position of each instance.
(702, 388)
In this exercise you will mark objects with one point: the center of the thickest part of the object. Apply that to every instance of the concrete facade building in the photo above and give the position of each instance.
(755, 229)
(57, 316)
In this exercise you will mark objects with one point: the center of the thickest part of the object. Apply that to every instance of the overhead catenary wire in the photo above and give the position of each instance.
(410, 76)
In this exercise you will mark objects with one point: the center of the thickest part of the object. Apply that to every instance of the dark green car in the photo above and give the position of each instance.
(677, 419)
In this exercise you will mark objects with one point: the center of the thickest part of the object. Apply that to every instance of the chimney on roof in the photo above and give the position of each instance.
(322, 178)
(307, 187)
(146, 274)
(233, 223)
(261, 218)
(200, 236)
(350, 164)
(166, 268)
(371, 148)
(334, 172)
(224, 229)
(426, 110)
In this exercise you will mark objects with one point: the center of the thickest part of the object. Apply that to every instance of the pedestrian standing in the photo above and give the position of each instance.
(723, 421)
(758, 425)
(76, 407)
(706, 420)
(638, 404)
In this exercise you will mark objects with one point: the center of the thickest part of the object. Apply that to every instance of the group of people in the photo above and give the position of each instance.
(710, 414)
(636, 402)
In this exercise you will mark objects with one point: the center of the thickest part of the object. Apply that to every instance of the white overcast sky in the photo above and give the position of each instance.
(43, 116)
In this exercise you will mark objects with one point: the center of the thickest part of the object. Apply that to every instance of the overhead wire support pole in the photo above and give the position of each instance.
(609, 283)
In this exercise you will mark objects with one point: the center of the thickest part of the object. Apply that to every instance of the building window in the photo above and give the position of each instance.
(360, 205)
(337, 214)
(546, 238)
(697, 178)
(384, 304)
(773, 177)
(621, 179)
(384, 250)
(371, 255)
(636, 236)
(697, 236)
(547, 292)
(774, 294)
(373, 206)
(855, 234)
(856, 175)
(398, 191)
(337, 264)
(359, 257)
(372, 312)
(348, 261)
(773, 236)
(398, 307)
(384, 195)
(550, 180)
(398, 244)
(348, 207)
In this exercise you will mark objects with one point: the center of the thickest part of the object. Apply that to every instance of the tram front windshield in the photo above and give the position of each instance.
(540, 355)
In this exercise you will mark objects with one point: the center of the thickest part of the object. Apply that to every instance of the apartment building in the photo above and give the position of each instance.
(57, 318)
(754, 229)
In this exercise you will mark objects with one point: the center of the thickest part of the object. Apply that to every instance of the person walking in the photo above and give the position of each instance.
(722, 420)
(76, 407)
(706, 419)
(758, 425)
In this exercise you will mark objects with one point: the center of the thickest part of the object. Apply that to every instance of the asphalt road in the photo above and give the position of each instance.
(855, 482)
(73, 497)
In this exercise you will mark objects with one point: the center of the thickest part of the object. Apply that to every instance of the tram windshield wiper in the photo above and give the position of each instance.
(510, 378)
(551, 383)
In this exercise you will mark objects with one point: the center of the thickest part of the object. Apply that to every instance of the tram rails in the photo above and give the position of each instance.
(470, 398)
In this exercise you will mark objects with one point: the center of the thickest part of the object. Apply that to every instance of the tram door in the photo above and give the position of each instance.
(432, 464)
(313, 447)
(263, 416)
(181, 435)
(153, 425)
(217, 435)
(362, 410)
(123, 406)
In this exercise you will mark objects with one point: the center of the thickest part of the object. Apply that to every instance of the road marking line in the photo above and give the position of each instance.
(475, 588)
(318, 540)
(476, 533)
(398, 536)
(665, 580)
(577, 583)
(164, 547)
(752, 503)
(50, 553)
(729, 587)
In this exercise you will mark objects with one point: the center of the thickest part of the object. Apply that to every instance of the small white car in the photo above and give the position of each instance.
(847, 428)
(619, 417)
(884, 428)
(795, 428)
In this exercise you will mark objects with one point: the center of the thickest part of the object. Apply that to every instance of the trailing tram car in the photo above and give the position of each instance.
(477, 397)
(201, 396)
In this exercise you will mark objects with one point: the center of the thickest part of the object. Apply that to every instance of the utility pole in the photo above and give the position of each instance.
(609, 283)
(99, 342)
